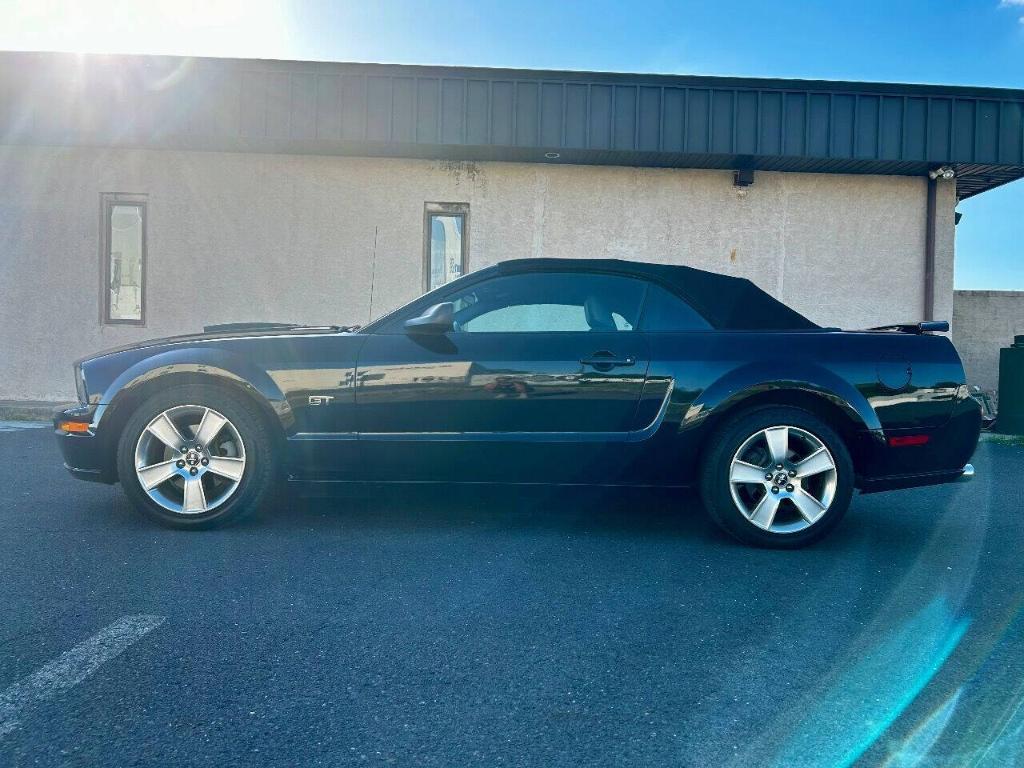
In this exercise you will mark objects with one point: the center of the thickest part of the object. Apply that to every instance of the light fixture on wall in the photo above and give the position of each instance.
(552, 155)
(743, 178)
(943, 172)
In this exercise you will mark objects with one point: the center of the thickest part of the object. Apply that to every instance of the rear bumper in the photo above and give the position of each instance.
(917, 480)
(82, 451)
(944, 458)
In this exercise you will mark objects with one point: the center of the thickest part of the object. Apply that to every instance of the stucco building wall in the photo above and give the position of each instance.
(235, 236)
(983, 323)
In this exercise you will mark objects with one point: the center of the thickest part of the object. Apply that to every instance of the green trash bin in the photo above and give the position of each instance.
(1010, 420)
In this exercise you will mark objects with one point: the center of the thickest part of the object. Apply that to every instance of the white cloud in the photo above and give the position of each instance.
(1019, 4)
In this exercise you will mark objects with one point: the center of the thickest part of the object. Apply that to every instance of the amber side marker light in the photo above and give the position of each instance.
(73, 426)
(904, 440)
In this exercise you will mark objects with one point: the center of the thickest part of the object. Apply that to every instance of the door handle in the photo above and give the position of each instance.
(605, 361)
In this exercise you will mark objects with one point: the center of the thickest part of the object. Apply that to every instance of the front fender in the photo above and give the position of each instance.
(217, 363)
(759, 377)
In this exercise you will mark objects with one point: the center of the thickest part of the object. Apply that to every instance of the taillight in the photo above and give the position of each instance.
(901, 441)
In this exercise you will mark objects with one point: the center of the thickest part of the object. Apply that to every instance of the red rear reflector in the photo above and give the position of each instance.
(904, 440)
(73, 426)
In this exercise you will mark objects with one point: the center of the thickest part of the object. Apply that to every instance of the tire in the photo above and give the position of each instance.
(802, 508)
(234, 466)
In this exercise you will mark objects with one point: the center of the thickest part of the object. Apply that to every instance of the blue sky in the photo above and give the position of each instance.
(969, 42)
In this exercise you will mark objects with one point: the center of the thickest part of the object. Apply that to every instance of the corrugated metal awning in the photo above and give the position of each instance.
(519, 115)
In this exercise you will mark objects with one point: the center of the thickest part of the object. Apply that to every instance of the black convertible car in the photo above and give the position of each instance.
(536, 371)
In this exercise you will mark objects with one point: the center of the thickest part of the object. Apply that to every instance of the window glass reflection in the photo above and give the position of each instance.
(125, 265)
(445, 249)
(546, 302)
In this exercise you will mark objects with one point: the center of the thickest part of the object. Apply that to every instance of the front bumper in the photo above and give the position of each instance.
(83, 452)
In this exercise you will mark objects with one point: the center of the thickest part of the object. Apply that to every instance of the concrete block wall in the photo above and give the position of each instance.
(983, 323)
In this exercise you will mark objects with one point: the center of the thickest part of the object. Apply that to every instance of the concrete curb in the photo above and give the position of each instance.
(995, 437)
(29, 410)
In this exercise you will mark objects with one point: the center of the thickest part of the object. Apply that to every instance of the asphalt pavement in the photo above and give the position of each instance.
(504, 626)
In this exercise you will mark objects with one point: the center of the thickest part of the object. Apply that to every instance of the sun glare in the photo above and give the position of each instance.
(185, 27)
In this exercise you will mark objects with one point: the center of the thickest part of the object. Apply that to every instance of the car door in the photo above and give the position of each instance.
(537, 379)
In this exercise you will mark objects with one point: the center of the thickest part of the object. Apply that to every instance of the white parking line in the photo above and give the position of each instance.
(72, 667)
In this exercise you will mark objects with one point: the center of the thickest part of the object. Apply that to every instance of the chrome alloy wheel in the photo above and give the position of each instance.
(783, 479)
(190, 459)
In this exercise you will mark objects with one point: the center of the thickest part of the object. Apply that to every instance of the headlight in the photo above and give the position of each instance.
(83, 395)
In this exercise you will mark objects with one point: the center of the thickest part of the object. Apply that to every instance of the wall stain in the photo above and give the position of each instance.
(459, 168)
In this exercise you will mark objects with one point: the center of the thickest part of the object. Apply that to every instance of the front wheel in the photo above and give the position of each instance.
(196, 456)
(777, 477)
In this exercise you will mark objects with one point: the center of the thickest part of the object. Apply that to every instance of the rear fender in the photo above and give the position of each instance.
(757, 378)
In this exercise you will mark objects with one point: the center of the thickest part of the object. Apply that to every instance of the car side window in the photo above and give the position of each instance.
(664, 311)
(541, 302)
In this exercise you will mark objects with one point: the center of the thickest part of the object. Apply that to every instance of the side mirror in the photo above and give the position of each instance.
(436, 319)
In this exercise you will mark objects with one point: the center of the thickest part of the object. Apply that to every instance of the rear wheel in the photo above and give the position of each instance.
(777, 477)
(196, 456)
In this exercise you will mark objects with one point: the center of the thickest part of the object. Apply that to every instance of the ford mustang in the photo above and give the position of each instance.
(563, 371)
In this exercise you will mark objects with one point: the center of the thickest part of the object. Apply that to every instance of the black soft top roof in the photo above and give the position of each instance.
(728, 303)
